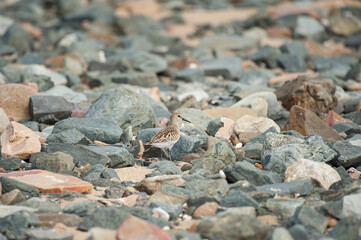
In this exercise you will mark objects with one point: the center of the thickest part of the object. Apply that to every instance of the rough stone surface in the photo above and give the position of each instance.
(56, 162)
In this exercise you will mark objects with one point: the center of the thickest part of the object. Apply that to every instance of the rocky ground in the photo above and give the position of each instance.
(272, 90)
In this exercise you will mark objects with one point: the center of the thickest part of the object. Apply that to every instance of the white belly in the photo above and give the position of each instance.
(168, 144)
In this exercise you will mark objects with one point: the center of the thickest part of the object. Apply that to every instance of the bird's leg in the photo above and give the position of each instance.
(170, 154)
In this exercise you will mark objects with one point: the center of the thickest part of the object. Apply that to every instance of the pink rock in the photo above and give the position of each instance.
(14, 99)
(206, 209)
(137, 229)
(334, 118)
(227, 129)
(19, 141)
(79, 113)
(49, 182)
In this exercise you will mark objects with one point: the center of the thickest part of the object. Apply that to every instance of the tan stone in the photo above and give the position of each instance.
(248, 127)
(97, 233)
(50, 219)
(4, 120)
(227, 129)
(13, 197)
(19, 141)
(279, 32)
(182, 63)
(233, 113)
(141, 7)
(257, 104)
(49, 182)
(206, 209)
(268, 219)
(14, 99)
(135, 173)
(327, 49)
(307, 123)
(308, 169)
(152, 184)
(169, 198)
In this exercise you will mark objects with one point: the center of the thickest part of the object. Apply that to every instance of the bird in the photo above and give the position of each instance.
(168, 136)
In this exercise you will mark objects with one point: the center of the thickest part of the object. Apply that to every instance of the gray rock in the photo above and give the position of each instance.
(5, 23)
(348, 155)
(41, 205)
(338, 66)
(115, 192)
(222, 151)
(80, 154)
(138, 25)
(70, 136)
(9, 184)
(256, 78)
(184, 146)
(110, 173)
(65, 92)
(118, 155)
(209, 165)
(294, 47)
(349, 128)
(213, 126)
(33, 125)
(228, 42)
(71, 78)
(197, 118)
(14, 226)
(309, 28)
(282, 208)
(201, 190)
(173, 210)
(54, 162)
(145, 135)
(48, 234)
(13, 163)
(267, 55)
(281, 234)
(351, 205)
(147, 79)
(190, 75)
(299, 232)
(292, 63)
(303, 188)
(82, 209)
(238, 199)
(18, 38)
(164, 168)
(93, 173)
(125, 107)
(232, 225)
(101, 129)
(309, 217)
(346, 228)
(44, 82)
(109, 218)
(229, 68)
(188, 236)
(247, 171)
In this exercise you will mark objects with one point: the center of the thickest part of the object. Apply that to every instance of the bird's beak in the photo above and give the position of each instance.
(185, 120)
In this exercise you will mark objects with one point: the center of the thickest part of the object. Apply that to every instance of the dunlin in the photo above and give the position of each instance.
(169, 135)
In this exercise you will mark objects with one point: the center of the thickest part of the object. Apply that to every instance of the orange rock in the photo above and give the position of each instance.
(49, 182)
(332, 221)
(31, 85)
(227, 129)
(308, 123)
(279, 32)
(19, 141)
(354, 86)
(139, 7)
(96, 142)
(334, 118)
(14, 99)
(206, 209)
(182, 63)
(259, 166)
(234, 113)
(32, 30)
(248, 65)
(155, 94)
(85, 168)
(137, 229)
(57, 61)
(268, 219)
(328, 49)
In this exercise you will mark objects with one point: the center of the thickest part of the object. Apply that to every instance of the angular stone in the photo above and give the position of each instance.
(13, 197)
(169, 198)
(257, 104)
(309, 28)
(124, 106)
(109, 218)
(232, 225)
(152, 184)
(14, 99)
(80, 154)
(302, 188)
(348, 155)
(49, 107)
(282, 208)
(70, 136)
(19, 141)
(190, 75)
(334, 118)
(48, 182)
(349, 128)
(292, 63)
(309, 217)
(281, 233)
(248, 127)
(36, 69)
(57, 162)
(247, 171)
(317, 95)
(14, 225)
(82, 209)
(67, 93)
(211, 165)
(206, 190)
(44, 82)
(136, 228)
(93, 173)
(307, 169)
(13, 163)
(118, 155)
(238, 199)
(41, 205)
(9, 184)
(233, 113)
(164, 168)
(206, 209)
(307, 123)
(346, 228)
(50, 220)
(184, 146)
(222, 151)
(147, 79)
(101, 129)
(266, 55)
(228, 68)
(351, 205)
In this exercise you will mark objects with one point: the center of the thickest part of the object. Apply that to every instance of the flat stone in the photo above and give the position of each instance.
(292, 63)
(43, 108)
(15, 225)
(349, 128)
(317, 95)
(346, 228)
(348, 155)
(81, 209)
(228, 68)
(125, 107)
(281, 233)
(210, 164)
(147, 79)
(307, 123)
(257, 104)
(48, 234)
(19, 141)
(118, 155)
(282, 208)
(57, 78)
(238, 199)
(48, 182)
(152, 184)
(164, 168)
(190, 75)
(97, 233)
(67, 93)
(248, 127)
(267, 55)
(9, 210)
(44, 82)
(247, 171)
(70, 136)
(350, 205)
(9, 184)
(303, 188)
(136, 228)
(206, 209)
(14, 100)
(233, 113)
(55, 162)
(13, 163)
(169, 198)
(41, 205)
(228, 42)
(309, 217)
(309, 28)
